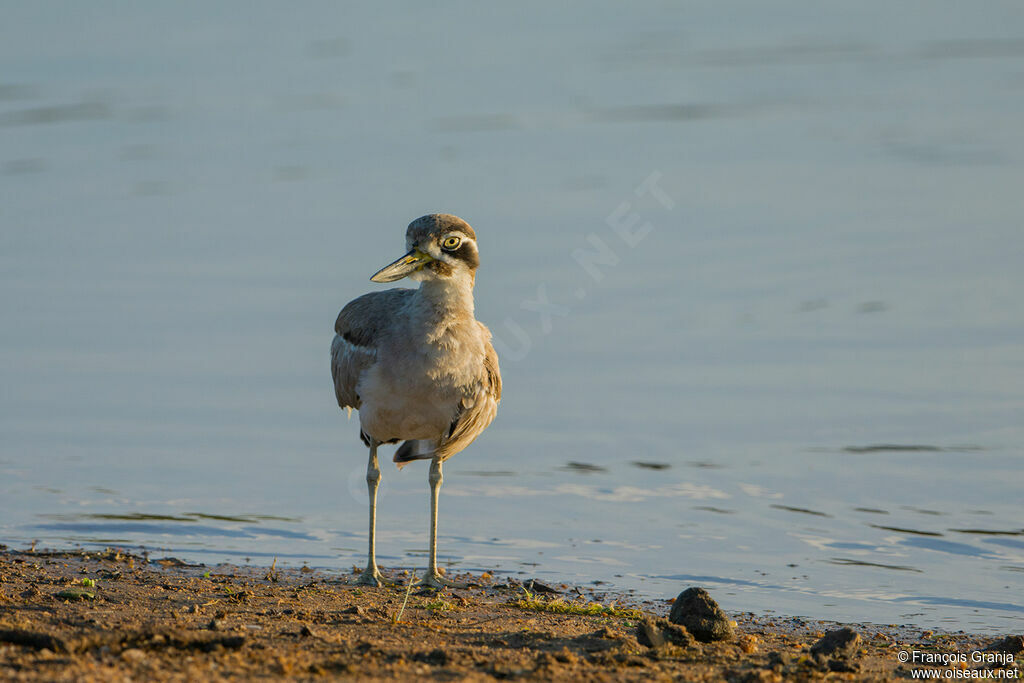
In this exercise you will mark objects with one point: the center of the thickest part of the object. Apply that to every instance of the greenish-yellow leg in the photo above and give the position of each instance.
(433, 577)
(371, 576)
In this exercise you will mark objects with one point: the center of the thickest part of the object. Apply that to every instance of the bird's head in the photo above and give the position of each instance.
(440, 246)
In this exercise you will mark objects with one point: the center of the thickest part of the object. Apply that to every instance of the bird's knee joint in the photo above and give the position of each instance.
(372, 477)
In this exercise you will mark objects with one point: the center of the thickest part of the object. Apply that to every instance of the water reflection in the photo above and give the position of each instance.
(863, 563)
(651, 465)
(582, 468)
(903, 530)
(619, 494)
(60, 113)
(963, 602)
(144, 531)
(949, 547)
(803, 511)
(720, 511)
(628, 114)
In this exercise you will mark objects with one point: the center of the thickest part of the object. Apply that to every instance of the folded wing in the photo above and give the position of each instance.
(357, 333)
(479, 406)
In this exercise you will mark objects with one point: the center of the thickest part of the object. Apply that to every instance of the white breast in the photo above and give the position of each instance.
(414, 389)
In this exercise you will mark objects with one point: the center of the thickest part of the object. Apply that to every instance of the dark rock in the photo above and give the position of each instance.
(695, 610)
(1011, 644)
(536, 586)
(842, 642)
(656, 633)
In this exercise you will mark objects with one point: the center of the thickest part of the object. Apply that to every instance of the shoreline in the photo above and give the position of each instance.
(81, 615)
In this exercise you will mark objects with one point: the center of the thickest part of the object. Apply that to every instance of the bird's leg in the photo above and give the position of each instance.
(433, 577)
(371, 576)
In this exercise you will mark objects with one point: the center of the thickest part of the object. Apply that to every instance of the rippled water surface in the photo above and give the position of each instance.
(754, 273)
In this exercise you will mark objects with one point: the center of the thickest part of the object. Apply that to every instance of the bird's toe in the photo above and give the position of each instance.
(435, 580)
(371, 576)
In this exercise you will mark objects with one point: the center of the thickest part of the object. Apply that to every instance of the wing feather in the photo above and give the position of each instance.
(478, 408)
(358, 330)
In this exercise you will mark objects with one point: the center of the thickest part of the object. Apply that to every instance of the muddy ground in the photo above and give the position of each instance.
(111, 616)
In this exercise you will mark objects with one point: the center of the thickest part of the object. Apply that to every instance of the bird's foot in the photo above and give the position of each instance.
(371, 576)
(433, 579)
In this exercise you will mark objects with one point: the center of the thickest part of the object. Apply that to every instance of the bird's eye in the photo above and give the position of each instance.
(451, 243)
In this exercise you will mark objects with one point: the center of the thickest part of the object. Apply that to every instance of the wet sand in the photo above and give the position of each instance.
(108, 616)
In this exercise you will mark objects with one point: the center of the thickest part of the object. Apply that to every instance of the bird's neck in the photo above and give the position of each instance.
(447, 301)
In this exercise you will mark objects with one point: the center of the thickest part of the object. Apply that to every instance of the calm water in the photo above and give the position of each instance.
(817, 266)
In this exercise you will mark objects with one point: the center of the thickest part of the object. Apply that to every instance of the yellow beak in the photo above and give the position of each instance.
(403, 267)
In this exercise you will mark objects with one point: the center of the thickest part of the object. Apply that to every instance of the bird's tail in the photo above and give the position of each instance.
(409, 451)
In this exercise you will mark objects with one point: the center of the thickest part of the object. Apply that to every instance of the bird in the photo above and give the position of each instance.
(417, 365)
